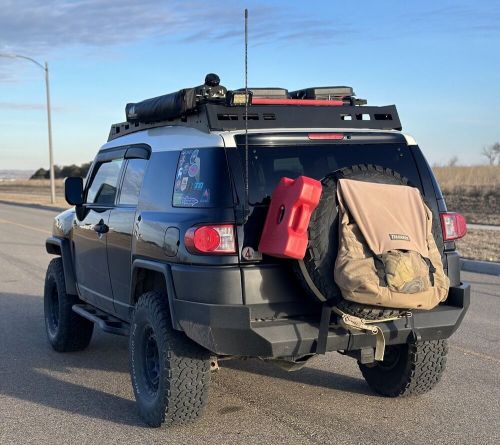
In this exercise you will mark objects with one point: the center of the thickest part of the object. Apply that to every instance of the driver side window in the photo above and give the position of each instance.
(103, 188)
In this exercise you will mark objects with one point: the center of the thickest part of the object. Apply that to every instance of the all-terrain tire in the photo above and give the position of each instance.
(170, 373)
(409, 369)
(315, 271)
(66, 330)
(368, 312)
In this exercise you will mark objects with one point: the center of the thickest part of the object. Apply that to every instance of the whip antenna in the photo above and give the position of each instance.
(247, 198)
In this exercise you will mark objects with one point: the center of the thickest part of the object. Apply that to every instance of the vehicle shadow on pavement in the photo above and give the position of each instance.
(305, 376)
(30, 370)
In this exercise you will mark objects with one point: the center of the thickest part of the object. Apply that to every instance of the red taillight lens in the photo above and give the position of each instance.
(330, 136)
(212, 239)
(453, 225)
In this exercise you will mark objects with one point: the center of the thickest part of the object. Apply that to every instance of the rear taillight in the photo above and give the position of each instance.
(453, 225)
(211, 239)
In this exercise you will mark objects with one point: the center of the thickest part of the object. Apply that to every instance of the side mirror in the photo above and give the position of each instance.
(73, 191)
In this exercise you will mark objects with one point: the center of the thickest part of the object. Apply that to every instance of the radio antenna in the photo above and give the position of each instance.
(247, 194)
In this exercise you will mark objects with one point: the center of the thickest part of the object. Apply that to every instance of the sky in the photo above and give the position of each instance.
(438, 61)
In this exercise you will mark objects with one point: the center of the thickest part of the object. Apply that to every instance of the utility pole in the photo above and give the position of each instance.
(45, 68)
(51, 152)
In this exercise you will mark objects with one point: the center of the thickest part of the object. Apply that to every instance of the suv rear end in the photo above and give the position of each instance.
(194, 287)
(255, 305)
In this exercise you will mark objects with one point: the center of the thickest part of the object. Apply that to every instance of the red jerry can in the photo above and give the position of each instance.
(285, 229)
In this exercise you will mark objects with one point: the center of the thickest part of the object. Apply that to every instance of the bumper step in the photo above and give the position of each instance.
(106, 322)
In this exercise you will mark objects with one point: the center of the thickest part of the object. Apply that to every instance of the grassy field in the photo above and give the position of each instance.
(473, 191)
(486, 177)
(32, 192)
(480, 245)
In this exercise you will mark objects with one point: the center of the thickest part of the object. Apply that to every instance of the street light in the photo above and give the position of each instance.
(45, 68)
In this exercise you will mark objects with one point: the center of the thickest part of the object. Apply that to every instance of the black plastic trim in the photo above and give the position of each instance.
(60, 246)
(207, 284)
(165, 270)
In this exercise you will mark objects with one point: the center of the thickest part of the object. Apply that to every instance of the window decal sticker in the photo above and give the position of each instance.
(189, 190)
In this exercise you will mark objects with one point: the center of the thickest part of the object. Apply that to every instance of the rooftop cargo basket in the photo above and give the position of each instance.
(211, 107)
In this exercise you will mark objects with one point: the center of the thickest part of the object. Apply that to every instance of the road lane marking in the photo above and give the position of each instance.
(477, 354)
(5, 221)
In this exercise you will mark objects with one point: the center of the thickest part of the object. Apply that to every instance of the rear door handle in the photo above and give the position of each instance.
(100, 227)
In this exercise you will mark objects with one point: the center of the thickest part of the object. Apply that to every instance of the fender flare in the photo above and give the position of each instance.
(165, 270)
(61, 247)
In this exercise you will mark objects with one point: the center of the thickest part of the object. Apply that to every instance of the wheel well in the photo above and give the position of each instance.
(146, 280)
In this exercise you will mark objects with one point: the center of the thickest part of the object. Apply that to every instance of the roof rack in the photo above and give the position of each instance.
(210, 107)
(213, 117)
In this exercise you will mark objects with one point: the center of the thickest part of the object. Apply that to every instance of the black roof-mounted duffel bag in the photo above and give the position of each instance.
(178, 104)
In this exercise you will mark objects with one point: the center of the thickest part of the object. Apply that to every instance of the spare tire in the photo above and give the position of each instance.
(315, 271)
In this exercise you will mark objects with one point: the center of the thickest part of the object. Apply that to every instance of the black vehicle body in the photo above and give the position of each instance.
(232, 305)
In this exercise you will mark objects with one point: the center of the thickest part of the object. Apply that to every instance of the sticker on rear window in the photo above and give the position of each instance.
(189, 189)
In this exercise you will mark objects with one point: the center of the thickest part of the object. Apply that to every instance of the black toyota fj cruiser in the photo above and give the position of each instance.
(162, 243)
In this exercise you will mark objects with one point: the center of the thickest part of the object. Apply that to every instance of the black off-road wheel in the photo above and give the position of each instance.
(66, 330)
(170, 373)
(315, 271)
(409, 369)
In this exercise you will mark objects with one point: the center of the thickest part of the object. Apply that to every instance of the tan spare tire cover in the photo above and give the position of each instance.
(388, 226)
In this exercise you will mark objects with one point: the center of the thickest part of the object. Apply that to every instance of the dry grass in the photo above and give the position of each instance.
(480, 245)
(473, 191)
(32, 192)
(482, 178)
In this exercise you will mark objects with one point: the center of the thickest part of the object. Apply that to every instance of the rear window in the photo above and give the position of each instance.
(202, 179)
(267, 165)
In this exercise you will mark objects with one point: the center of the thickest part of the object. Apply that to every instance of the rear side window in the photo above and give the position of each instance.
(267, 165)
(102, 190)
(202, 179)
(132, 181)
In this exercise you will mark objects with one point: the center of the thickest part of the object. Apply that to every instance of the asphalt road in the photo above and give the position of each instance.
(86, 397)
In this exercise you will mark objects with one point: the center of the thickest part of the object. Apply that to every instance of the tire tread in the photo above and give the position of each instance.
(424, 367)
(74, 331)
(186, 365)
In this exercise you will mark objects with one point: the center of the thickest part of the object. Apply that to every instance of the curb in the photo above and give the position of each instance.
(486, 267)
(34, 206)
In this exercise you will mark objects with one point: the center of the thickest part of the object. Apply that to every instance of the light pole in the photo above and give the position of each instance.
(45, 68)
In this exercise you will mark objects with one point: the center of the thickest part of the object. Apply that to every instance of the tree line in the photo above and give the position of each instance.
(491, 153)
(63, 171)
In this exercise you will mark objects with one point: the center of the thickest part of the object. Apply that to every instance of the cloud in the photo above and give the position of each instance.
(44, 27)
(468, 18)
(38, 27)
(12, 106)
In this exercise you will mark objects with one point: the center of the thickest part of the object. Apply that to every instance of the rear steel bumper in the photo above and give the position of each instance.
(229, 330)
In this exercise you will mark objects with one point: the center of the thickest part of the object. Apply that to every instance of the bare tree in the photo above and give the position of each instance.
(453, 161)
(496, 149)
(491, 152)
